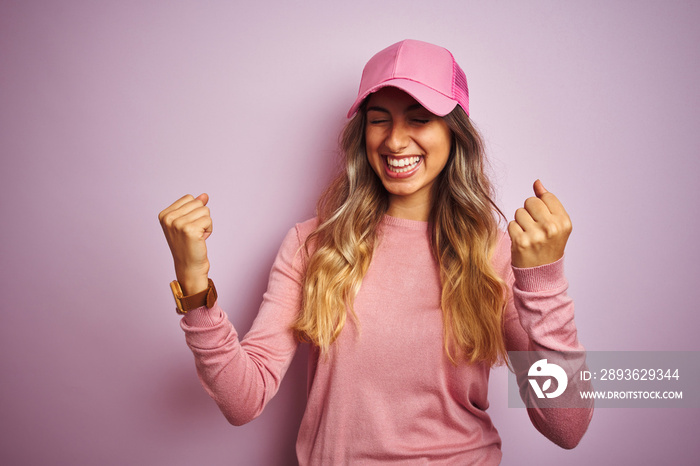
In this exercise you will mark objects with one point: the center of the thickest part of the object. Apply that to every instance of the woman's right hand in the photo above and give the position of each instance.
(187, 224)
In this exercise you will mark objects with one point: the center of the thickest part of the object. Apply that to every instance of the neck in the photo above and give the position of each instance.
(409, 209)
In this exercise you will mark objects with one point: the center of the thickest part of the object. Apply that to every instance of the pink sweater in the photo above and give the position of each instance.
(387, 393)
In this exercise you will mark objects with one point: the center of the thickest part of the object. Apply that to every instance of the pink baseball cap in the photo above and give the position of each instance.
(427, 72)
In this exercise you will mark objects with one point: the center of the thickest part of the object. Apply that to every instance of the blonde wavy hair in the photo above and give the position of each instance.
(464, 222)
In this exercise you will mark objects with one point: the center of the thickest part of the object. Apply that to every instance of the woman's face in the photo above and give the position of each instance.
(407, 147)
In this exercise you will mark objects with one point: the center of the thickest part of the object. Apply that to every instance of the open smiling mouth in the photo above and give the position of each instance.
(399, 165)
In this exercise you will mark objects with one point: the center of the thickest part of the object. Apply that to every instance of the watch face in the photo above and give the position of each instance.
(177, 291)
(177, 294)
(187, 303)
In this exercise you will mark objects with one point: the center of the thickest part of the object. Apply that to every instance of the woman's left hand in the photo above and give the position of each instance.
(540, 230)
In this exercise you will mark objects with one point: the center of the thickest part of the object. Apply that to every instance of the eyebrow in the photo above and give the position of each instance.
(382, 109)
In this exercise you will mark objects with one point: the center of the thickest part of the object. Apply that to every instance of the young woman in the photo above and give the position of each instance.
(403, 285)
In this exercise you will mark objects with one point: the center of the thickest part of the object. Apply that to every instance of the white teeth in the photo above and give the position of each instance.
(402, 165)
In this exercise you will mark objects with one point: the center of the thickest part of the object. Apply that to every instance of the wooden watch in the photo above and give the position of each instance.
(186, 303)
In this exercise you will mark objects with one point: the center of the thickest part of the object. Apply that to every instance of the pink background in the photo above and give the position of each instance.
(111, 110)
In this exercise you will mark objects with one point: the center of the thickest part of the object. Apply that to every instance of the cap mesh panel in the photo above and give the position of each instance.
(459, 87)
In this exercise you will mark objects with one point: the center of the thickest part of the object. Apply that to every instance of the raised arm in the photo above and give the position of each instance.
(240, 375)
(540, 313)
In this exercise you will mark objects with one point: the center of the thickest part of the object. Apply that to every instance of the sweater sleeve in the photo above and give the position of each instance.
(540, 317)
(243, 375)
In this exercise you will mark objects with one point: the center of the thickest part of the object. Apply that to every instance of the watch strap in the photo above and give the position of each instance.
(186, 303)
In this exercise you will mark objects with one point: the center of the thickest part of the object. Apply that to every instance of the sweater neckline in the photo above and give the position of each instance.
(417, 225)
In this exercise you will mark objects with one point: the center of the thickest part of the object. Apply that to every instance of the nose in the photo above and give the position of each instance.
(398, 137)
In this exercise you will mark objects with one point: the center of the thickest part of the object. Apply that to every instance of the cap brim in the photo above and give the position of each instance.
(434, 101)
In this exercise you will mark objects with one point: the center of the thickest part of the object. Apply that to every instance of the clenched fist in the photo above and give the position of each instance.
(540, 230)
(187, 224)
